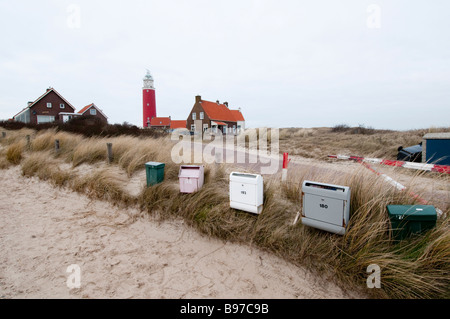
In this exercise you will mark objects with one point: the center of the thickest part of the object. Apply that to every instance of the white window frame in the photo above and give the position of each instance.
(62, 106)
(49, 105)
(192, 127)
(205, 127)
(93, 111)
(45, 119)
(202, 115)
(194, 116)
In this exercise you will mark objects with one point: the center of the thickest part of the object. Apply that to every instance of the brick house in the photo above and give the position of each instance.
(240, 121)
(177, 124)
(160, 122)
(214, 116)
(53, 107)
(49, 107)
(166, 123)
(93, 110)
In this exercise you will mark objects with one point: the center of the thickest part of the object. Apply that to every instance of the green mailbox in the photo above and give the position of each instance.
(154, 172)
(411, 219)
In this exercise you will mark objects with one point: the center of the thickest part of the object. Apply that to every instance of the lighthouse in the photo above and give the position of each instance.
(148, 100)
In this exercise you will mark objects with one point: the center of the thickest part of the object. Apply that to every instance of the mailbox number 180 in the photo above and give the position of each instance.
(323, 206)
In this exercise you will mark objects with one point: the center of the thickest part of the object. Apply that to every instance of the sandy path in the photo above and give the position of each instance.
(124, 254)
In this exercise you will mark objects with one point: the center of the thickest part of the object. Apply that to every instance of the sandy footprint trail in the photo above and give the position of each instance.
(126, 254)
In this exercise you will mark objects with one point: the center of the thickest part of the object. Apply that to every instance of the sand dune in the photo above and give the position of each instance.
(123, 253)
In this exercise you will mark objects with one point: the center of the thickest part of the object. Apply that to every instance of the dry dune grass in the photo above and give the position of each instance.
(130, 153)
(105, 185)
(408, 268)
(14, 152)
(44, 166)
(140, 151)
(14, 145)
(91, 151)
(4, 163)
(318, 143)
(45, 141)
(415, 268)
(15, 136)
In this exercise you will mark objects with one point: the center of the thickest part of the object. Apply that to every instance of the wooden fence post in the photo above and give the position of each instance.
(28, 141)
(110, 153)
(57, 146)
(3, 134)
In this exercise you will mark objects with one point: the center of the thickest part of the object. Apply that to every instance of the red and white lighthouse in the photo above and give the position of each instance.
(148, 100)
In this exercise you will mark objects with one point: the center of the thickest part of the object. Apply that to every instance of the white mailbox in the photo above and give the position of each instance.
(326, 206)
(246, 192)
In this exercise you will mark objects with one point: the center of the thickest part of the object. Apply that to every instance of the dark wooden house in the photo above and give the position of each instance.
(93, 110)
(49, 107)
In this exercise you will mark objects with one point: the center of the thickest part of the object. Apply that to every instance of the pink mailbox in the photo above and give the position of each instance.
(191, 178)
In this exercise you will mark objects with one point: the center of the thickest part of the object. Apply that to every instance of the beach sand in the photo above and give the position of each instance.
(125, 253)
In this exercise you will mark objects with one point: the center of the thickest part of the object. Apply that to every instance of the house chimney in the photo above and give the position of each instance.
(49, 88)
(198, 99)
(29, 103)
(226, 104)
(217, 102)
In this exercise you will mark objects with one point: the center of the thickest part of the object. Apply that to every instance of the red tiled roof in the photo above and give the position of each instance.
(220, 112)
(237, 115)
(160, 121)
(87, 107)
(217, 111)
(178, 124)
(84, 109)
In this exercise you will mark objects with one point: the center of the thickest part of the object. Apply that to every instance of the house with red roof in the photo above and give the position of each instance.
(240, 121)
(93, 110)
(166, 123)
(177, 124)
(160, 122)
(214, 116)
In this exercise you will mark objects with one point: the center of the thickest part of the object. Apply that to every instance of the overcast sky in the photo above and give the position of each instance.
(384, 64)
